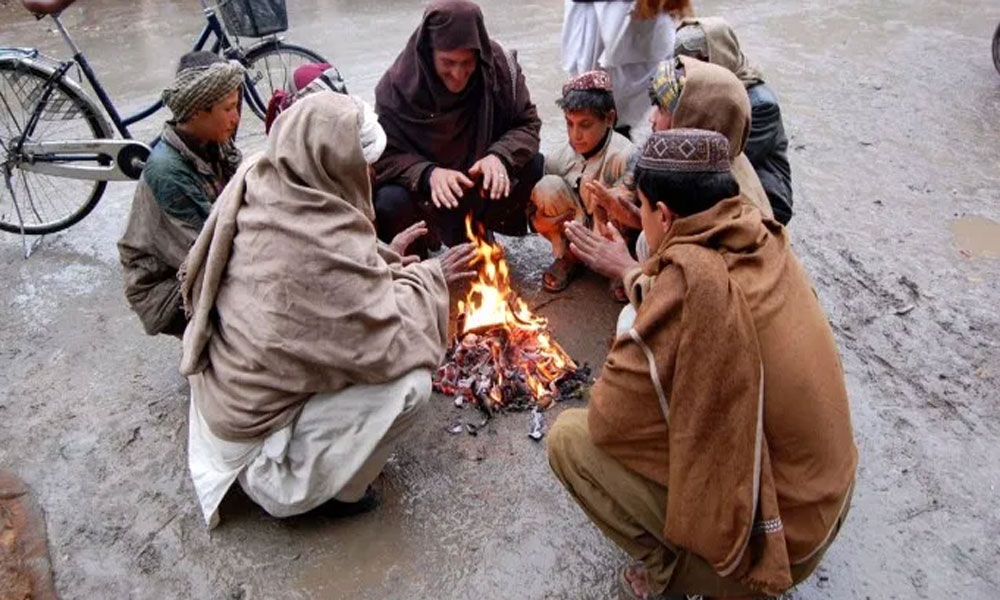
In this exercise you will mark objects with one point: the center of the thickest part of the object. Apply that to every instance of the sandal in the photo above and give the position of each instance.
(618, 291)
(559, 274)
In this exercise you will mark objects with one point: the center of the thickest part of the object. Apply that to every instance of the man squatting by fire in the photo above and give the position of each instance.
(717, 447)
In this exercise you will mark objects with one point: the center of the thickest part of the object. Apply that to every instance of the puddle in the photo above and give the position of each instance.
(977, 236)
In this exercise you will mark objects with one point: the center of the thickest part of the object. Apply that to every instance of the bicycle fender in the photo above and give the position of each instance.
(30, 58)
(14, 51)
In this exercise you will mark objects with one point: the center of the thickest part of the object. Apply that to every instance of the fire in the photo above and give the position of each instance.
(488, 303)
(504, 355)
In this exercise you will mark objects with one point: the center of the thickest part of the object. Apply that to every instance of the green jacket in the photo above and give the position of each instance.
(172, 200)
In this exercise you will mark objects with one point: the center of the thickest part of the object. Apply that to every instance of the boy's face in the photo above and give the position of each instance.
(586, 129)
(656, 220)
(217, 124)
(660, 119)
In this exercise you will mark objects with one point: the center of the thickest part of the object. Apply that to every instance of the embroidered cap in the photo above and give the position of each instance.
(591, 80)
(686, 151)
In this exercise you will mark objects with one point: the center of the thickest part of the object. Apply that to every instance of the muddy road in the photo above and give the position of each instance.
(893, 110)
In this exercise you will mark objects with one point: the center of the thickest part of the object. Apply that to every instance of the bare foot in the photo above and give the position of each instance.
(636, 577)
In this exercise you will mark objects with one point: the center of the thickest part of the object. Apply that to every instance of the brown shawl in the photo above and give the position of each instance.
(714, 99)
(426, 124)
(724, 49)
(289, 291)
(729, 392)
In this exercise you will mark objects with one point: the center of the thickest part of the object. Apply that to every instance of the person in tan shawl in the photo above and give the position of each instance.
(310, 345)
(689, 93)
(711, 39)
(717, 449)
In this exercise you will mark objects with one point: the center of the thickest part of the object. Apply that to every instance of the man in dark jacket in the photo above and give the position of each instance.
(711, 39)
(462, 132)
(191, 162)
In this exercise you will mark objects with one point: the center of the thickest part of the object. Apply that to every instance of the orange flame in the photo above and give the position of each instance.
(491, 303)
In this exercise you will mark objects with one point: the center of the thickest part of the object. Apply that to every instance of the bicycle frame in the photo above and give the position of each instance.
(213, 27)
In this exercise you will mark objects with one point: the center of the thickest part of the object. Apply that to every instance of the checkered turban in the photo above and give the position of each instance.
(666, 85)
(686, 151)
(202, 87)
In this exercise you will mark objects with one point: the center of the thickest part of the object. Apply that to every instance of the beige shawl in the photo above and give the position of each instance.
(288, 290)
(714, 99)
(724, 49)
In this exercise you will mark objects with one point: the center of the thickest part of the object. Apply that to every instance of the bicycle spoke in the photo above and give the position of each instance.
(10, 111)
(31, 199)
(270, 80)
(47, 181)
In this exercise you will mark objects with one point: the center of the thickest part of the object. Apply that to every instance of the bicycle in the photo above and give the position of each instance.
(53, 135)
(996, 49)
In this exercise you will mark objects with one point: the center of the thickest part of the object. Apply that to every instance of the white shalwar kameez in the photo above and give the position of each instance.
(334, 449)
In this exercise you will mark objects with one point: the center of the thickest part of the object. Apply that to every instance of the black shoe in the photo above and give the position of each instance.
(337, 509)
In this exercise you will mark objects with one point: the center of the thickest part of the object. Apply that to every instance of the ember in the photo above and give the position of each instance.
(503, 356)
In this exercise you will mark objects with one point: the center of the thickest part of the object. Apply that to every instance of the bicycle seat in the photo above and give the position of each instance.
(40, 8)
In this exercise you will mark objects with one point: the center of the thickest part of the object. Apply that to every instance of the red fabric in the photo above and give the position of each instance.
(304, 75)
(279, 101)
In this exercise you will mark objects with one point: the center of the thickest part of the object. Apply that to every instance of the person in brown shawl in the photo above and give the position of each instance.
(191, 162)
(717, 449)
(711, 39)
(311, 344)
(689, 93)
(462, 131)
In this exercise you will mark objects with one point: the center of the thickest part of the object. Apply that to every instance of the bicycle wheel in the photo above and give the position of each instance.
(270, 66)
(996, 49)
(43, 203)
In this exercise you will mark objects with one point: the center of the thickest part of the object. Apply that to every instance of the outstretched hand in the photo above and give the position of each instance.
(618, 201)
(496, 182)
(609, 257)
(405, 238)
(456, 263)
(448, 187)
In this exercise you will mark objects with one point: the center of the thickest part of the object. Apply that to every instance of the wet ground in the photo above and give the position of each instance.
(892, 108)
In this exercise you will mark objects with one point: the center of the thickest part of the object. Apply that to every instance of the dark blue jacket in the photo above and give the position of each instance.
(767, 150)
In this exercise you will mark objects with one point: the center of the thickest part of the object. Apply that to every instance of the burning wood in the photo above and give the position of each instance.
(503, 357)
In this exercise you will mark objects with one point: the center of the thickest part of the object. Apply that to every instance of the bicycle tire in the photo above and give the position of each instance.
(996, 49)
(268, 76)
(92, 123)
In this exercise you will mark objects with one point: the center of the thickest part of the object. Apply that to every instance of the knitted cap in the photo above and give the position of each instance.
(202, 87)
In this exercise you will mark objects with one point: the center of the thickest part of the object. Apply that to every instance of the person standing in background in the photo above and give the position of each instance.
(625, 38)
